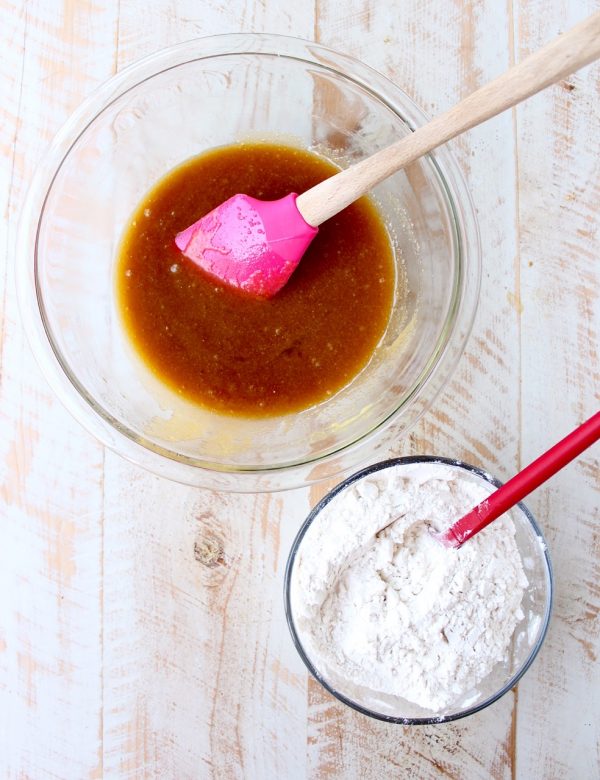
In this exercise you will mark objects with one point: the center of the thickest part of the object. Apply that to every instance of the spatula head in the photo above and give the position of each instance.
(251, 244)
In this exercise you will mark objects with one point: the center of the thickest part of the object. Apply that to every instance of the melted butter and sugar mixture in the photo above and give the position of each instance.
(236, 354)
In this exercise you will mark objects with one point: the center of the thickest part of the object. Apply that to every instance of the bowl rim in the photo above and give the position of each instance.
(111, 431)
(365, 472)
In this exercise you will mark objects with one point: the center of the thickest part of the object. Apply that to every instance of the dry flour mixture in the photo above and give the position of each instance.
(379, 600)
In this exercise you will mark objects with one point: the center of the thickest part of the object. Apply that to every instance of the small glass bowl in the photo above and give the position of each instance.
(525, 644)
(176, 104)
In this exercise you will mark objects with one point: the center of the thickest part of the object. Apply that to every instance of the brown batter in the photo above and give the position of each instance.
(236, 354)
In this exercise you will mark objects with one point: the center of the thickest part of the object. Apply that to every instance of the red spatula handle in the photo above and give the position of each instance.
(524, 483)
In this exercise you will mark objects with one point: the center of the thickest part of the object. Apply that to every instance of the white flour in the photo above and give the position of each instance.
(376, 598)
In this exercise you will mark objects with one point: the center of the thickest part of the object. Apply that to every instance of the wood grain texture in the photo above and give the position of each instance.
(559, 195)
(476, 419)
(550, 63)
(203, 677)
(51, 473)
(141, 622)
(211, 625)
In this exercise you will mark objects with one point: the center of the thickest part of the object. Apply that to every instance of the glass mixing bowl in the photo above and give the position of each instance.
(148, 119)
(525, 643)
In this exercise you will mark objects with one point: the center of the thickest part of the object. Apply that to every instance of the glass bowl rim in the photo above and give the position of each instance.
(64, 381)
(368, 470)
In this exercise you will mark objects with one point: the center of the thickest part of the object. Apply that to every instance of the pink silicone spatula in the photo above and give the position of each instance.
(522, 484)
(256, 245)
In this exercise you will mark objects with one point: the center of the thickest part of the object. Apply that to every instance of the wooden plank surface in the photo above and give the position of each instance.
(559, 201)
(141, 622)
(454, 48)
(51, 472)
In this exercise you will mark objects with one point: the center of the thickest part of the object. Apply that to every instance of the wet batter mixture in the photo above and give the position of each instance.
(240, 355)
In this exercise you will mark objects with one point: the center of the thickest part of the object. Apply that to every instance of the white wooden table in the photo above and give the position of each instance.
(121, 653)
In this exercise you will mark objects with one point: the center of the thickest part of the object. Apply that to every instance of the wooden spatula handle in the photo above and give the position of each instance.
(556, 60)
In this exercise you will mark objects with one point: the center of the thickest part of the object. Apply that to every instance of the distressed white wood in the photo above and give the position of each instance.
(556, 60)
(208, 680)
(141, 622)
(458, 48)
(51, 472)
(559, 201)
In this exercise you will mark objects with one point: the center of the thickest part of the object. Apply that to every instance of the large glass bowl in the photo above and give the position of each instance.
(148, 119)
(525, 643)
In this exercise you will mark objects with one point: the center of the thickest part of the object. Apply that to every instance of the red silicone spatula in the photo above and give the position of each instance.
(256, 245)
(522, 484)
